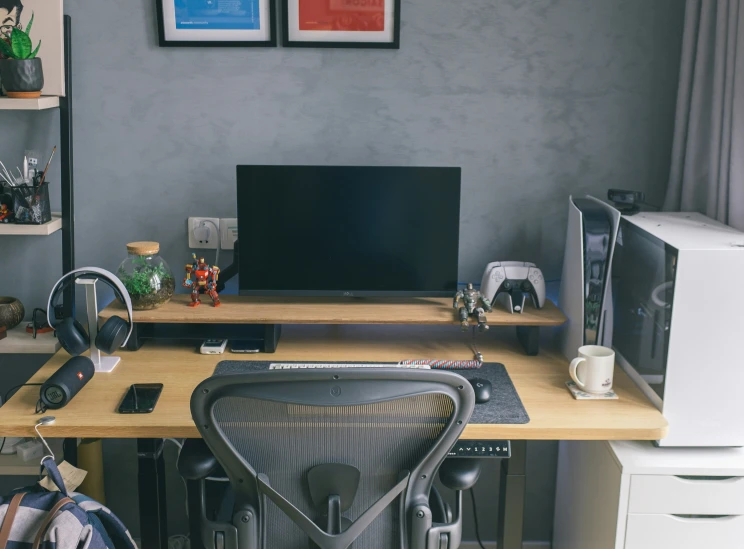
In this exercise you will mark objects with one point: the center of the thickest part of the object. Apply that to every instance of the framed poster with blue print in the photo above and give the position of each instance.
(208, 23)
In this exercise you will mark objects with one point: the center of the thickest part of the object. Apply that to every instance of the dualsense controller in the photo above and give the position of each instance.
(511, 281)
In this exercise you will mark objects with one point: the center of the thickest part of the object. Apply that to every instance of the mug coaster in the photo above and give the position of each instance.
(578, 394)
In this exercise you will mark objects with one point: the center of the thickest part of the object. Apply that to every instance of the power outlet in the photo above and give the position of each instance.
(203, 233)
(228, 233)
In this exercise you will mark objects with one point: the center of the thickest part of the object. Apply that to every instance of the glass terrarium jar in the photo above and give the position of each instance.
(146, 276)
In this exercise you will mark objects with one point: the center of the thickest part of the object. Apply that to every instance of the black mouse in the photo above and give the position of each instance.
(482, 388)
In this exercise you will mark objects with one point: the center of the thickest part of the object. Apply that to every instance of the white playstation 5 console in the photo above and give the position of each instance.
(511, 282)
(585, 288)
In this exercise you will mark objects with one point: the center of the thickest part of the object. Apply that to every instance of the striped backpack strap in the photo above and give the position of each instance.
(10, 515)
(48, 520)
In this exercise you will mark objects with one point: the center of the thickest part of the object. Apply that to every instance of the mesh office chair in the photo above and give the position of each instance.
(330, 458)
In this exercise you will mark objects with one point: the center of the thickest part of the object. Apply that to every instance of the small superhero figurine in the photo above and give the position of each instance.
(205, 281)
(470, 297)
(5, 214)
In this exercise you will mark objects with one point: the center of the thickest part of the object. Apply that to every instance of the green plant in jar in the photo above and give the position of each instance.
(146, 276)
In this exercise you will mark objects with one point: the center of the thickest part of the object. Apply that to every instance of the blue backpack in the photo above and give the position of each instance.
(36, 517)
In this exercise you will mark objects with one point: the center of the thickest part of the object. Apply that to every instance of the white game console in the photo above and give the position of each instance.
(511, 281)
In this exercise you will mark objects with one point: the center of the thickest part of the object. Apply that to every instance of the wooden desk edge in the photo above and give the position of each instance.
(472, 432)
(333, 313)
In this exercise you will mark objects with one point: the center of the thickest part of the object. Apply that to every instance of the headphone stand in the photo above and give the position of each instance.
(101, 363)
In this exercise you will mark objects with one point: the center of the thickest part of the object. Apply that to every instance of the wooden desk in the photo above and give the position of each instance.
(539, 381)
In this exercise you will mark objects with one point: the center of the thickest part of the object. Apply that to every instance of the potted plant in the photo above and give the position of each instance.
(20, 70)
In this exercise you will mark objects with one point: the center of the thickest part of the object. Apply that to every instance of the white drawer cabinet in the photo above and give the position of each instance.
(688, 495)
(657, 531)
(632, 495)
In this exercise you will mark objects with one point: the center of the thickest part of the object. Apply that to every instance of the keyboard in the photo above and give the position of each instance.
(311, 366)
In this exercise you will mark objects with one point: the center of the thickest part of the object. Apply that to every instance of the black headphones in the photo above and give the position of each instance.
(71, 334)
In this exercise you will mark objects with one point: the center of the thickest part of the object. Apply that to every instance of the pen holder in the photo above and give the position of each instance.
(31, 204)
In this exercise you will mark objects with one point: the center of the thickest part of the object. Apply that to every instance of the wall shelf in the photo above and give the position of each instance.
(18, 341)
(13, 229)
(39, 104)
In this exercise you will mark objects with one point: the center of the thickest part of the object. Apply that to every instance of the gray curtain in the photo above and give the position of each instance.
(707, 172)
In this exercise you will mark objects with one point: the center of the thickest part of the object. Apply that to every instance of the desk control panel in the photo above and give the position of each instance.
(481, 449)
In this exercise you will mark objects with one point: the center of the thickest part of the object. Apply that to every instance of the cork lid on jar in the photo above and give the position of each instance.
(143, 248)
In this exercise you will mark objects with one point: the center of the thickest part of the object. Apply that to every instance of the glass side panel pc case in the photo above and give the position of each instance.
(678, 321)
(341, 231)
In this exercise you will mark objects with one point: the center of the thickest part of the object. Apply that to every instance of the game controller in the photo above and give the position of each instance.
(510, 281)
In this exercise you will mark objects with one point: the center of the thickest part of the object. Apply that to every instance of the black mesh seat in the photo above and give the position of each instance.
(331, 458)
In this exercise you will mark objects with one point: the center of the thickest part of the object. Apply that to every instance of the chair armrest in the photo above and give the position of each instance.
(196, 462)
(460, 473)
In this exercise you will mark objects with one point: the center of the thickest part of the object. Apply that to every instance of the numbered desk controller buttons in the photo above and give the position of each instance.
(481, 449)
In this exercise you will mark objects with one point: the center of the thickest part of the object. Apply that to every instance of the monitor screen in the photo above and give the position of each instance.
(348, 231)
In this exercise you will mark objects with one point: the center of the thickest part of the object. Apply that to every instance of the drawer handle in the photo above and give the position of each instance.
(696, 518)
(709, 479)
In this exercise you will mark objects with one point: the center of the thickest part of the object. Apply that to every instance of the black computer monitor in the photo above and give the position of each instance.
(348, 231)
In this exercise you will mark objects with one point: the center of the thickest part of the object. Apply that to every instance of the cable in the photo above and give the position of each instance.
(7, 395)
(179, 541)
(476, 353)
(438, 364)
(475, 518)
(177, 443)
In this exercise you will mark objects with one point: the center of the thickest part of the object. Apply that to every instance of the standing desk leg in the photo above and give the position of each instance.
(512, 496)
(151, 485)
(69, 449)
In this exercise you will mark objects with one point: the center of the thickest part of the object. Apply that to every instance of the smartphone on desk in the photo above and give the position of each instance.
(141, 398)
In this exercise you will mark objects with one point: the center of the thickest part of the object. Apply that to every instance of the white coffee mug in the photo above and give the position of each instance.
(593, 369)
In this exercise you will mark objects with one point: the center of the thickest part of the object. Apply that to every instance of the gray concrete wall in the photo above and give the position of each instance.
(534, 99)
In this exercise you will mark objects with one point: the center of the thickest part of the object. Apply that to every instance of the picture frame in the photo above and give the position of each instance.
(200, 23)
(341, 24)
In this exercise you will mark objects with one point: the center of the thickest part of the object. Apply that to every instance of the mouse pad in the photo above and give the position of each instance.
(505, 406)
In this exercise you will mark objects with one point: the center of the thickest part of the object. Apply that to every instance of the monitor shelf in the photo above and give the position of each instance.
(249, 318)
(287, 310)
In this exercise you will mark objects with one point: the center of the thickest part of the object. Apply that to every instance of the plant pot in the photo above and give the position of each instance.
(22, 78)
(11, 312)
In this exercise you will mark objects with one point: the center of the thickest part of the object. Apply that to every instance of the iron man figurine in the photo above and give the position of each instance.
(471, 296)
(205, 281)
(6, 214)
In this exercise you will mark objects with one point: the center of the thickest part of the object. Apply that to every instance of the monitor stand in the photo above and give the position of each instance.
(231, 271)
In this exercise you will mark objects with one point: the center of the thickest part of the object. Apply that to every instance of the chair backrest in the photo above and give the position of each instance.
(271, 430)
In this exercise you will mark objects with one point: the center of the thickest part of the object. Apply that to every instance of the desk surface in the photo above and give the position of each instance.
(539, 381)
(309, 310)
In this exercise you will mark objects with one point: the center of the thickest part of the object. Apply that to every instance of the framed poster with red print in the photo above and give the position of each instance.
(342, 23)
